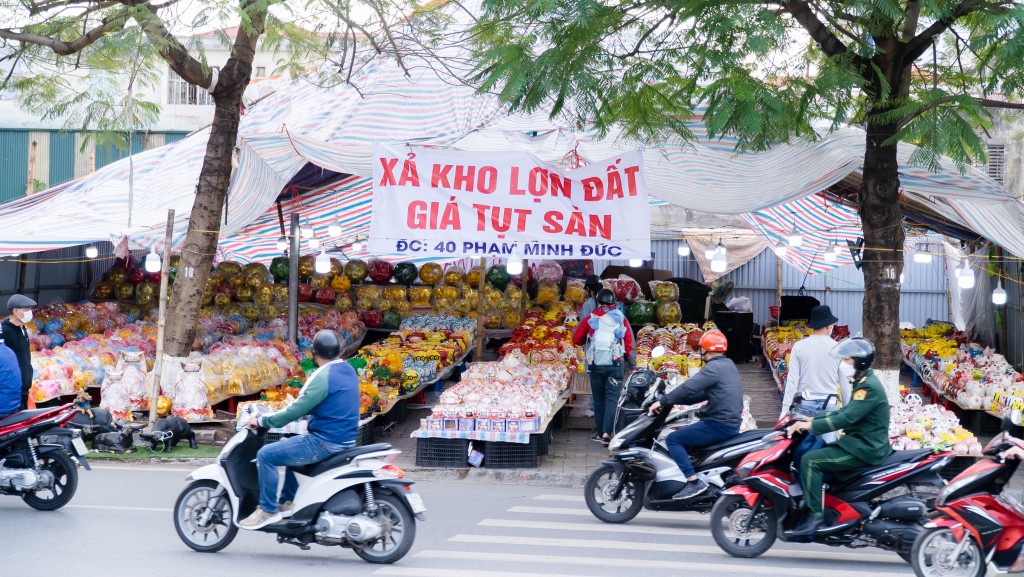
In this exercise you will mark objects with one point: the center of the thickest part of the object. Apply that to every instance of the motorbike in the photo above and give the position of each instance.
(641, 474)
(882, 506)
(34, 464)
(975, 528)
(354, 499)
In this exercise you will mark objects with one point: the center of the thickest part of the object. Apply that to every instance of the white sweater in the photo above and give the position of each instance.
(813, 368)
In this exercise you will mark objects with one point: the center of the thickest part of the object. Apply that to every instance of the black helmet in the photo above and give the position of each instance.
(860, 350)
(605, 297)
(327, 345)
(593, 283)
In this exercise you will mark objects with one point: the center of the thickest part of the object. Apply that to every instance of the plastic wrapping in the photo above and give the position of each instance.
(548, 271)
(664, 290)
(668, 313)
(431, 273)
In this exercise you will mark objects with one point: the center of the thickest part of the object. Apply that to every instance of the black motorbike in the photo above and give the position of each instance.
(641, 474)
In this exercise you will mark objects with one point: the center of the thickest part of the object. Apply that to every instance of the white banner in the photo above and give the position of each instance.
(430, 203)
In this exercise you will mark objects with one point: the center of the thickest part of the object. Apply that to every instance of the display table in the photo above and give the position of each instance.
(522, 437)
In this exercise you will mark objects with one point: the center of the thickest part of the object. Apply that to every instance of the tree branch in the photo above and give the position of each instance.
(59, 46)
(171, 50)
(989, 103)
(834, 22)
(917, 45)
(801, 11)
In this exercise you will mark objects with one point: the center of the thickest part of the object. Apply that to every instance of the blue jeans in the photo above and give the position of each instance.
(293, 451)
(695, 436)
(606, 395)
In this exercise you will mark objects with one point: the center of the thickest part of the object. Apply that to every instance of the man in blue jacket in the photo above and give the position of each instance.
(330, 397)
(10, 382)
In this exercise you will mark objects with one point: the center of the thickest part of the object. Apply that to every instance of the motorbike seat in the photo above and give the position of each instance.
(338, 459)
(895, 458)
(744, 437)
(22, 416)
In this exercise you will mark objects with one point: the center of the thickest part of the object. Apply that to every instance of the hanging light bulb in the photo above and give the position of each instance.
(795, 238)
(965, 276)
(314, 243)
(683, 249)
(635, 262)
(999, 295)
(322, 264)
(152, 263)
(515, 264)
(282, 243)
(91, 251)
(831, 253)
(357, 244)
(709, 251)
(306, 230)
(720, 248)
(719, 262)
(780, 250)
(922, 255)
(334, 229)
(903, 278)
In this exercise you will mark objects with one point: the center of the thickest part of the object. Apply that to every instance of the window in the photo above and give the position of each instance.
(261, 72)
(995, 162)
(181, 92)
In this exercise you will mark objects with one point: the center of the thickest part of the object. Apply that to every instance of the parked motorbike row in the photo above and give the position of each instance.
(354, 499)
(754, 495)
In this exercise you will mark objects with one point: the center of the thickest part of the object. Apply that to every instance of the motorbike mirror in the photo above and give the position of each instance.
(658, 351)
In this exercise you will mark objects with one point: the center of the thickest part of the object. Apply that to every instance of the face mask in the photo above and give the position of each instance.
(846, 372)
(26, 316)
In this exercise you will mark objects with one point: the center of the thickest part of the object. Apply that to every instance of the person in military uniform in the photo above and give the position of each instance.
(865, 425)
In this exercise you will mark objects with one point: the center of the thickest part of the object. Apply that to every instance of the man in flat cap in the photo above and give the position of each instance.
(15, 337)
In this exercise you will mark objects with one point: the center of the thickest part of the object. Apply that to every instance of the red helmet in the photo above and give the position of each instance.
(714, 342)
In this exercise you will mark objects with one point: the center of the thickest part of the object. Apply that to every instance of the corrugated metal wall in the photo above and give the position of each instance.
(923, 296)
(39, 171)
(45, 282)
(60, 157)
(13, 164)
(1014, 313)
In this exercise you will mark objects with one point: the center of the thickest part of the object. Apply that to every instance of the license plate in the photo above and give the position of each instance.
(79, 445)
(416, 502)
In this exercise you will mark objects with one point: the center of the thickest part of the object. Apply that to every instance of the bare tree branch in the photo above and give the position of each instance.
(170, 49)
(834, 22)
(801, 11)
(989, 103)
(59, 46)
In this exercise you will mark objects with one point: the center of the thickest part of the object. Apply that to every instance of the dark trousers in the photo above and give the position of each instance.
(606, 395)
(695, 436)
(831, 459)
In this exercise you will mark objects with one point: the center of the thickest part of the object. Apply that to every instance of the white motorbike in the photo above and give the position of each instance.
(353, 499)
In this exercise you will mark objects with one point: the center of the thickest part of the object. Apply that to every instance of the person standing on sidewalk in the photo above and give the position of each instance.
(814, 370)
(609, 342)
(15, 336)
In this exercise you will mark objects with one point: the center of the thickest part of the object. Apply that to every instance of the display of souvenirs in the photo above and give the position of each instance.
(134, 372)
(511, 395)
(544, 338)
(115, 396)
(972, 376)
(914, 425)
(188, 395)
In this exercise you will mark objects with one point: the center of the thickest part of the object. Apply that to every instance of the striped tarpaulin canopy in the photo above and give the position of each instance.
(336, 127)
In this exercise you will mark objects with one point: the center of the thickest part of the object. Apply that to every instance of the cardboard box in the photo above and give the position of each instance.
(467, 424)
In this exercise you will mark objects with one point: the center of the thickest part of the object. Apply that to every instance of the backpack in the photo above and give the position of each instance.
(606, 349)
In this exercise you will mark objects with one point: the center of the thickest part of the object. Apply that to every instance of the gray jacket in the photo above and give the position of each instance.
(718, 383)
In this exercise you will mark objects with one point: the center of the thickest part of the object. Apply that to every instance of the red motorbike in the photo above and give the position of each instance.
(882, 506)
(975, 528)
(43, 474)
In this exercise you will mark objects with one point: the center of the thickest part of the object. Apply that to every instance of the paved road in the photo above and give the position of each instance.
(120, 522)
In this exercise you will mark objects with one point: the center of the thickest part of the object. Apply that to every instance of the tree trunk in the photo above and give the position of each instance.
(881, 219)
(201, 241)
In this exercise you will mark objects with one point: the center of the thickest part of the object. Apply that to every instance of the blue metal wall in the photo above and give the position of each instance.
(13, 164)
(923, 296)
(62, 157)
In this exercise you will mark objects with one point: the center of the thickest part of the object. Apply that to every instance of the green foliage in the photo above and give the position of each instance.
(754, 71)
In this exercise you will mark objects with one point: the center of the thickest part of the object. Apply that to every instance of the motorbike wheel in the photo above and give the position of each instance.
(729, 515)
(209, 534)
(396, 542)
(598, 493)
(65, 482)
(933, 552)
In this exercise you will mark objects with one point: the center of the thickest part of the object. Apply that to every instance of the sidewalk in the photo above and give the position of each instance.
(572, 455)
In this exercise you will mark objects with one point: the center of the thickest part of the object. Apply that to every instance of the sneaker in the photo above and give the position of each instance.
(599, 439)
(260, 518)
(286, 508)
(692, 489)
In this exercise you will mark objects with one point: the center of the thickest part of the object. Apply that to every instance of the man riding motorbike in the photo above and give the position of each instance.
(718, 383)
(865, 425)
(330, 397)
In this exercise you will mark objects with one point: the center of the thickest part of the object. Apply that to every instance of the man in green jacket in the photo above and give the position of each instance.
(865, 425)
